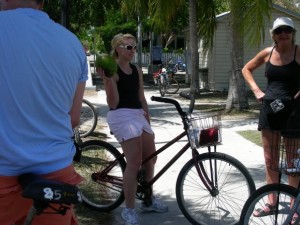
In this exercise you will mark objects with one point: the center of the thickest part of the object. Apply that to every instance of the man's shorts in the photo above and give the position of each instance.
(127, 123)
(14, 208)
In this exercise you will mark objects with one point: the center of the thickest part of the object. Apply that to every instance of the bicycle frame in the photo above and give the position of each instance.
(210, 183)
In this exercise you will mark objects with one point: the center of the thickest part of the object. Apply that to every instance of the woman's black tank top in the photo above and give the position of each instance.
(128, 88)
(283, 81)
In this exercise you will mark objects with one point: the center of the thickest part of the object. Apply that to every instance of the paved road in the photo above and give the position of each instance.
(167, 124)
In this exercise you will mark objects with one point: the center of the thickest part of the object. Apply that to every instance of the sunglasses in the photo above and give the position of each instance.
(284, 29)
(128, 47)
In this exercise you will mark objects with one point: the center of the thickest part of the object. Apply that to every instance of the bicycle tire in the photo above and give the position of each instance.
(88, 119)
(198, 205)
(100, 194)
(173, 86)
(258, 200)
(161, 88)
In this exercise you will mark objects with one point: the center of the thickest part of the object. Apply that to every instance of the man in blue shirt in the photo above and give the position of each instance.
(43, 70)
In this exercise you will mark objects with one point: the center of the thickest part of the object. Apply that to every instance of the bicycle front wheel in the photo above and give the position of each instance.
(259, 198)
(161, 88)
(231, 186)
(88, 119)
(172, 86)
(102, 187)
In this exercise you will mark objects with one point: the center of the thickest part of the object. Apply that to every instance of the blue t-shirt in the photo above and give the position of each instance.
(41, 64)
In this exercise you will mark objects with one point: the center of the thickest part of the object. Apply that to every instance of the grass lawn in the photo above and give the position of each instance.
(251, 135)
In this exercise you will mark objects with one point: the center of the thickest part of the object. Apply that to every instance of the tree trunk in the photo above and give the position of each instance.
(194, 88)
(237, 95)
(65, 8)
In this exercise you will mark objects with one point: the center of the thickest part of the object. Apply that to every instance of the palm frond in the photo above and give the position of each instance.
(134, 8)
(251, 17)
(206, 22)
(163, 12)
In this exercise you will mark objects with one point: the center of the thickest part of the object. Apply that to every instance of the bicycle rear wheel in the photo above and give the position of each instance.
(232, 185)
(260, 197)
(102, 191)
(88, 119)
(172, 86)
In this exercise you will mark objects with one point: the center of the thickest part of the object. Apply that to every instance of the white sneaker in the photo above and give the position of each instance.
(130, 217)
(157, 206)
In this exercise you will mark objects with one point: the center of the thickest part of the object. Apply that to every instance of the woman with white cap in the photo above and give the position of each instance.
(282, 70)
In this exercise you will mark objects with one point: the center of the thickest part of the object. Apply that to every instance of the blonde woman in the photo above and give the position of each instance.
(129, 121)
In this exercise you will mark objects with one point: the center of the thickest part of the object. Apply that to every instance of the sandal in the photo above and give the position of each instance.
(266, 211)
(295, 219)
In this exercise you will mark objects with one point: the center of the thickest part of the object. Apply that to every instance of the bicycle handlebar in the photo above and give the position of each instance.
(171, 101)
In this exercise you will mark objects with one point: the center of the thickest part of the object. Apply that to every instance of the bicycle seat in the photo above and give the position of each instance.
(49, 191)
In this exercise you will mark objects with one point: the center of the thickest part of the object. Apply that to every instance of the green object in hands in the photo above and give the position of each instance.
(107, 63)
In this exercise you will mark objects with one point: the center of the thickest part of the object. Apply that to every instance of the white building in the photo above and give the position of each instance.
(216, 66)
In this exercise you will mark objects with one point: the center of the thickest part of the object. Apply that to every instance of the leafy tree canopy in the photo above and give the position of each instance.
(116, 23)
(84, 18)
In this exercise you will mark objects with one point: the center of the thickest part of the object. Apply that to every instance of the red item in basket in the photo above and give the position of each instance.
(210, 135)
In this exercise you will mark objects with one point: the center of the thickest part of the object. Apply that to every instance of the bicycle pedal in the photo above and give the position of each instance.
(141, 176)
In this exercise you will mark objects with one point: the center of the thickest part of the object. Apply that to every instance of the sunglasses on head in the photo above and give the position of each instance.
(128, 47)
(284, 29)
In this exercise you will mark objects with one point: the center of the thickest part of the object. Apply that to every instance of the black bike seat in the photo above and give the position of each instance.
(50, 191)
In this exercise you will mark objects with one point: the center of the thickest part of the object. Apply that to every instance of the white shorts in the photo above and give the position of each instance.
(127, 123)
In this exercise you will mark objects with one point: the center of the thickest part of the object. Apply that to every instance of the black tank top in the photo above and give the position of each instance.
(283, 81)
(128, 88)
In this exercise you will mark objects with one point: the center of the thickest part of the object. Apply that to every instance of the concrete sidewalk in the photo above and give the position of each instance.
(167, 124)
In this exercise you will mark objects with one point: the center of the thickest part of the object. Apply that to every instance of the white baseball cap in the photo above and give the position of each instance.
(283, 21)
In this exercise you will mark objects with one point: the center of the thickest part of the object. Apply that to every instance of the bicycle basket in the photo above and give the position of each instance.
(285, 153)
(207, 130)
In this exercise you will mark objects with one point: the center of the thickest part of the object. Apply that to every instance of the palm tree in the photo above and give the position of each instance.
(162, 13)
(202, 23)
(253, 15)
(193, 49)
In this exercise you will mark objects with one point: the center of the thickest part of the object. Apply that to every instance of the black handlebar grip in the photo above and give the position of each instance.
(171, 101)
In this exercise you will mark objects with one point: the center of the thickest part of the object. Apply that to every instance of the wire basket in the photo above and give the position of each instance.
(285, 152)
(206, 130)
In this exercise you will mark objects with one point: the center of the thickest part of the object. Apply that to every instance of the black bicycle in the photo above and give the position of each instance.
(88, 119)
(211, 187)
(285, 154)
(166, 82)
(47, 193)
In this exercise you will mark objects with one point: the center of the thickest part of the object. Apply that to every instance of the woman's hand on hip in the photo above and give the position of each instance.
(259, 95)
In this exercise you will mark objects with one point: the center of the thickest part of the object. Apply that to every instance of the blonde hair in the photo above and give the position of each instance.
(118, 40)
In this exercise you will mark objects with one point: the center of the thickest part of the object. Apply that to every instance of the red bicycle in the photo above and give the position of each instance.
(211, 188)
(166, 82)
